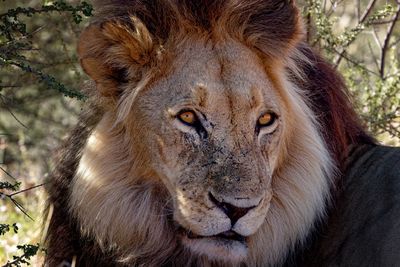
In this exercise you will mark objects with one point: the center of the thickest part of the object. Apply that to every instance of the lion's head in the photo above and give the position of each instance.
(207, 150)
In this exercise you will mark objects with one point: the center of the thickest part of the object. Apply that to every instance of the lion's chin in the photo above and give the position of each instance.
(217, 247)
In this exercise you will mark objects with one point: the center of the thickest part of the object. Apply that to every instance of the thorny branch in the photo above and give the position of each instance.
(387, 40)
(25, 190)
(368, 11)
(7, 173)
(374, 80)
(362, 20)
(14, 201)
(28, 252)
(10, 111)
(14, 187)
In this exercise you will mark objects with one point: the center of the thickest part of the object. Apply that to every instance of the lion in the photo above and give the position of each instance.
(213, 136)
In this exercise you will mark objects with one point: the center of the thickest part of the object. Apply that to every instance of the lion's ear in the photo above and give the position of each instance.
(112, 53)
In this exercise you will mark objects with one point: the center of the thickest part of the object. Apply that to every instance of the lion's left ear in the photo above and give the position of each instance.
(114, 52)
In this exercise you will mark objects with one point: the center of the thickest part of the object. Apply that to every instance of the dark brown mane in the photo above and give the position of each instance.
(253, 21)
(331, 103)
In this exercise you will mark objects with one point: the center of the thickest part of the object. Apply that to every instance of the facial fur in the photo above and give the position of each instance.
(223, 191)
(155, 165)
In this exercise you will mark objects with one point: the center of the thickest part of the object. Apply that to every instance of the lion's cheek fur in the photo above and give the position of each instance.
(300, 184)
(114, 206)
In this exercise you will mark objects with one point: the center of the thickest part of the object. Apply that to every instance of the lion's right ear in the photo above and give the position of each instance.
(113, 53)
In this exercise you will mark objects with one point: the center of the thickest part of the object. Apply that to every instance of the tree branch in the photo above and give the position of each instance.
(12, 114)
(8, 174)
(367, 11)
(16, 203)
(387, 41)
(30, 188)
(364, 17)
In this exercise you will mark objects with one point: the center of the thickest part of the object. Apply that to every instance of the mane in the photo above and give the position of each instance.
(331, 102)
(252, 21)
(327, 126)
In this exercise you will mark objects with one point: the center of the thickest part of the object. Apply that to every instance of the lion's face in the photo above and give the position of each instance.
(207, 150)
(214, 139)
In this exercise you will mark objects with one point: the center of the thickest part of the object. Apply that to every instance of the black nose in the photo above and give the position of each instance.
(234, 213)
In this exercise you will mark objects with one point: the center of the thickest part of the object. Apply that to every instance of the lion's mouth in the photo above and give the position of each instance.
(226, 246)
(227, 236)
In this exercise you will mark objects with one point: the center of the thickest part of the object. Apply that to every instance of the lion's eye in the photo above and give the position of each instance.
(188, 117)
(267, 119)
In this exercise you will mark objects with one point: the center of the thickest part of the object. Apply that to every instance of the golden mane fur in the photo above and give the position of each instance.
(119, 198)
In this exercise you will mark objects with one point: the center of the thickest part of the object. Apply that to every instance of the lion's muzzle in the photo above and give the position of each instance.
(233, 212)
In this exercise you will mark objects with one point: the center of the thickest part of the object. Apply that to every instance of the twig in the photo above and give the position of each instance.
(381, 22)
(358, 9)
(354, 62)
(324, 6)
(29, 251)
(30, 188)
(20, 207)
(387, 41)
(376, 38)
(368, 11)
(24, 37)
(333, 6)
(15, 202)
(376, 61)
(364, 17)
(8, 174)
(29, 11)
(12, 114)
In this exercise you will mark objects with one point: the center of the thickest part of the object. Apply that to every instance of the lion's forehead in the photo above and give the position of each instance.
(226, 78)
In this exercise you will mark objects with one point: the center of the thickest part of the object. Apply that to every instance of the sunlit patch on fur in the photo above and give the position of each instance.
(114, 207)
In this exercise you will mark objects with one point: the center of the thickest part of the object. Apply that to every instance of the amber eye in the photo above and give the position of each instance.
(187, 117)
(267, 119)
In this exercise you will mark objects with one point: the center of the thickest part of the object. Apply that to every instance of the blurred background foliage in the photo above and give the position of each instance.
(362, 40)
(40, 100)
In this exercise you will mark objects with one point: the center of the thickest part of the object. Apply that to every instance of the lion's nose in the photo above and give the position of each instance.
(233, 212)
